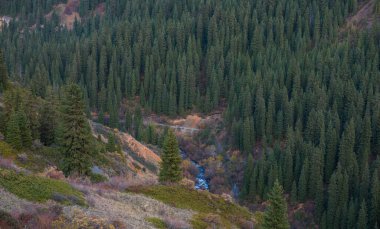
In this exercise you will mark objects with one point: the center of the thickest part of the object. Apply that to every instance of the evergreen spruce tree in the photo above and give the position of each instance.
(13, 134)
(276, 216)
(303, 182)
(3, 74)
(170, 170)
(48, 124)
(76, 133)
(374, 213)
(293, 193)
(362, 218)
(247, 177)
(128, 121)
(25, 130)
(111, 144)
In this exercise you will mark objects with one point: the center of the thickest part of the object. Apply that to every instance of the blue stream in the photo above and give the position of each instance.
(201, 182)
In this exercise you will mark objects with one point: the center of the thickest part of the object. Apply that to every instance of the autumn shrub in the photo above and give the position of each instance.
(53, 173)
(40, 218)
(7, 221)
(7, 163)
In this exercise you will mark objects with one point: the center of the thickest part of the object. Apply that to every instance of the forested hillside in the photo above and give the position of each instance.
(301, 95)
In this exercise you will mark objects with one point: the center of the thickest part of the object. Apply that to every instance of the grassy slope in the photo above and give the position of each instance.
(39, 189)
(210, 207)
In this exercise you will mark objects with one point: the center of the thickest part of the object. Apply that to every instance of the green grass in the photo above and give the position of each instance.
(202, 202)
(157, 222)
(39, 189)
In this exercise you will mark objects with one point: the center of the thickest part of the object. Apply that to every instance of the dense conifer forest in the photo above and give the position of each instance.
(300, 90)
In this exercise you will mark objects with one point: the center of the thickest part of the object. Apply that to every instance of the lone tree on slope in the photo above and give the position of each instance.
(76, 133)
(170, 170)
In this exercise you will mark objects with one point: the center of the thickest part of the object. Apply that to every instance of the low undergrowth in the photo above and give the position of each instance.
(7, 221)
(211, 209)
(6, 150)
(39, 189)
(157, 222)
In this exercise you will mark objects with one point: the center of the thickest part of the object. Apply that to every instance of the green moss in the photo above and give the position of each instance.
(157, 222)
(39, 189)
(202, 202)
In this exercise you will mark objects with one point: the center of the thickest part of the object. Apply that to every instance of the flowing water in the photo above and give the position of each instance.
(201, 182)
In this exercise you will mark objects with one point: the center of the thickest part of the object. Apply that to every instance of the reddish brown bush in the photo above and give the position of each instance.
(7, 163)
(53, 173)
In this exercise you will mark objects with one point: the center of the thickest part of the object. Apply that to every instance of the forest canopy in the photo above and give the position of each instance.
(292, 83)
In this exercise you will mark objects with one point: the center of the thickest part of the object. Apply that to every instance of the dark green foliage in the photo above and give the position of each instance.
(170, 170)
(48, 124)
(362, 218)
(25, 130)
(285, 71)
(374, 216)
(3, 73)
(111, 144)
(276, 215)
(13, 134)
(247, 177)
(76, 133)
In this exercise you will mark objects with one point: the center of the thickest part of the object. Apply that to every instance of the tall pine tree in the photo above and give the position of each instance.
(276, 216)
(170, 170)
(76, 133)
(3, 73)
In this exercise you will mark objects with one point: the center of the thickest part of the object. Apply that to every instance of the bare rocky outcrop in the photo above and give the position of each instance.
(127, 141)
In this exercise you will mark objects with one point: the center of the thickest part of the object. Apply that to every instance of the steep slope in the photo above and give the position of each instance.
(67, 13)
(364, 18)
(136, 153)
